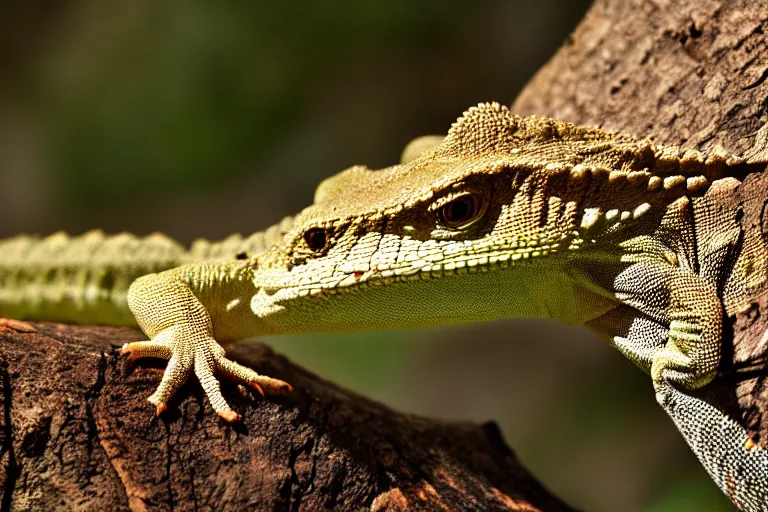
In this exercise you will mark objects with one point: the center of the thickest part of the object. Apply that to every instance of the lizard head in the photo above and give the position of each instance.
(478, 227)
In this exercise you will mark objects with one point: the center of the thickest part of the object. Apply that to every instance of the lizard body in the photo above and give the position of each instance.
(504, 217)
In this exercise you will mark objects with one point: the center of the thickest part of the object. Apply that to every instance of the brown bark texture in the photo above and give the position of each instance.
(78, 434)
(692, 73)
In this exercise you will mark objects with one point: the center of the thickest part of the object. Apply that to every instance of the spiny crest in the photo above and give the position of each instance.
(491, 128)
(93, 246)
(486, 128)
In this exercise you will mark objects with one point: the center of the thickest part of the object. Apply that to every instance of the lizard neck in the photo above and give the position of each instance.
(225, 291)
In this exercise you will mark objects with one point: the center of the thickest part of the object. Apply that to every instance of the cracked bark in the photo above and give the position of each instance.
(10, 469)
(743, 390)
(78, 433)
(690, 72)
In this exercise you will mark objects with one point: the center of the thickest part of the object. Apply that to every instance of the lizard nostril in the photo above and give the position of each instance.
(315, 238)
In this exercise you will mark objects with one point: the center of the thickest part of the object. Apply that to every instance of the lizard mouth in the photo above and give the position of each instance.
(275, 293)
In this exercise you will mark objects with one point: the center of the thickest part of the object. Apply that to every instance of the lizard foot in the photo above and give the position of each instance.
(688, 360)
(188, 351)
(16, 325)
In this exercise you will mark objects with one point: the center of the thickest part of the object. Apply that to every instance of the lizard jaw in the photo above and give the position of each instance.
(420, 299)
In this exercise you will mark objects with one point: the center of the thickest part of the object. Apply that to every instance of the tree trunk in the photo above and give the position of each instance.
(689, 73)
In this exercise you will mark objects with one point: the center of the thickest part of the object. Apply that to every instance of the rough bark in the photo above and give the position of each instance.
(743, 389)
(690, 73)
(78, 434)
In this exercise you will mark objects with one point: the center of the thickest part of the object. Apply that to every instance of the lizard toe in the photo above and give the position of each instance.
(176, 373)
(229, 416)
(144, 349)
(261, 383)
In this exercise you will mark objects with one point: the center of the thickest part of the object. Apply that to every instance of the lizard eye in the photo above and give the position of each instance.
(460, 210)
(315, 238)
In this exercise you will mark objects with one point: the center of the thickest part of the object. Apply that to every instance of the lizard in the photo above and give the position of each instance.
(533, 217)
(503, 217)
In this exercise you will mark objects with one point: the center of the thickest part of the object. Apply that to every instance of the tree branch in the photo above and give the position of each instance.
(78, 432)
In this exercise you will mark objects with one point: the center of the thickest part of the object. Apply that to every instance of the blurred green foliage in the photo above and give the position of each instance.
(185, 94)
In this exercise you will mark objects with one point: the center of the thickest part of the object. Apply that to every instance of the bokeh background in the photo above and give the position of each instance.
(199, 119)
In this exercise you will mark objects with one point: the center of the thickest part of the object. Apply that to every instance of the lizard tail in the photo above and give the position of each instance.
(82, 279)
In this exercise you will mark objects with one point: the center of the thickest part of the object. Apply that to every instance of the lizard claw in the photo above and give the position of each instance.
(229, 416)
(189, 351)
(258, 389)
(275, 386)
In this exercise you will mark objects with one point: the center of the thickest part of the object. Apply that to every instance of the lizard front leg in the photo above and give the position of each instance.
(181, 330)
(734, 462)
(671, 326)
(692, 353)
(674, 325)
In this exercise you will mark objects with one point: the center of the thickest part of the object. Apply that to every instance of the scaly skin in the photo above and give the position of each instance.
(504, 217)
